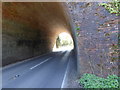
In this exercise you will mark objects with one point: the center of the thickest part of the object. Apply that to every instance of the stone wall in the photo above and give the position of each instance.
(97, 34)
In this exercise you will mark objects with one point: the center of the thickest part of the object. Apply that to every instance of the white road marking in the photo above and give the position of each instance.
(17, 63)
(63, 82)
(40, 63)
(65, 75)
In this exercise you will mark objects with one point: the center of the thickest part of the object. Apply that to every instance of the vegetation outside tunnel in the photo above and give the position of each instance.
(63, 42)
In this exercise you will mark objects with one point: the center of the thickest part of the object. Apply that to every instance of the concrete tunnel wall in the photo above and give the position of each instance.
(30, 29)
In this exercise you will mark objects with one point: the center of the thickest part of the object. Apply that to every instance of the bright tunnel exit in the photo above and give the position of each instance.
(63, 42)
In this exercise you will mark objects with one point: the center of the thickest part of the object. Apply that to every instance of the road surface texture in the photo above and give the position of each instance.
(47, 71)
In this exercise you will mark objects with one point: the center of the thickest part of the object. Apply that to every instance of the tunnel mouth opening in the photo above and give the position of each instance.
(64, 42)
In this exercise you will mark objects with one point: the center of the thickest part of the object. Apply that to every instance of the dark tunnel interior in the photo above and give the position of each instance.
(30, 29)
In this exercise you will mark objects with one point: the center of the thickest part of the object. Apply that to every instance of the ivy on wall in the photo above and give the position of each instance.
(113, 7)
(93, 81)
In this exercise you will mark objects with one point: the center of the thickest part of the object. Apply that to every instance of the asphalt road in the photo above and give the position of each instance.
(47, 71)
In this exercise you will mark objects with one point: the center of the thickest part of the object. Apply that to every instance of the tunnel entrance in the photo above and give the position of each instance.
(63, 42)
(26, 35)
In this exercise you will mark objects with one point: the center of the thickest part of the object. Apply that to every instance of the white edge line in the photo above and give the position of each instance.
(22, 61)
(40, 63)
(63, 82)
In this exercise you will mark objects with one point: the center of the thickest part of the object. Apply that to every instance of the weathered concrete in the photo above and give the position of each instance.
(30, 29)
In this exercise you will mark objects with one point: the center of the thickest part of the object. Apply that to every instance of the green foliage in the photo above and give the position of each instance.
(93, 81)
(63, 41)
(77, 28)
(112, 7)
(58, 42)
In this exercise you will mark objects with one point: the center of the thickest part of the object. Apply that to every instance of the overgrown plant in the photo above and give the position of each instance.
(93, 81)
(77, 29)
(112, 7)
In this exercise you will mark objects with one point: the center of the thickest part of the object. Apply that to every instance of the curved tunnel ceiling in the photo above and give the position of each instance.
(48, 16)
(31, 28)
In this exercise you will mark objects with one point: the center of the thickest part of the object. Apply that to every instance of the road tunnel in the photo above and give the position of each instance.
(30, 29)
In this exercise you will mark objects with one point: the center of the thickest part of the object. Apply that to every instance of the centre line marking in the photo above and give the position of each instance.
(40, 63)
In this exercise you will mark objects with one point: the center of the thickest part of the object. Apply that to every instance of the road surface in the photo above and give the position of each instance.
(47, 71)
